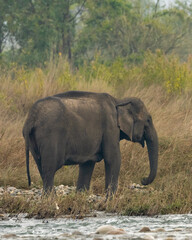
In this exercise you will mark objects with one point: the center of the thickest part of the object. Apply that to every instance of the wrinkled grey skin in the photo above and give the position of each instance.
(84, 128)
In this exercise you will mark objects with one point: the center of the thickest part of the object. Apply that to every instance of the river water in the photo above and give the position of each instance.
(167, 227)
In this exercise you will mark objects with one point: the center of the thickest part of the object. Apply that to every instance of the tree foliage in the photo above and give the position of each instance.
(32, 31)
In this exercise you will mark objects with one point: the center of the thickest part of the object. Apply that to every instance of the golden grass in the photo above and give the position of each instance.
(172, 116)
(75, 204)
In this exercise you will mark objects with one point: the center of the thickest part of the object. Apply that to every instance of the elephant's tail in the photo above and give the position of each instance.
(26, 137)
(27, 161)
(29, 135)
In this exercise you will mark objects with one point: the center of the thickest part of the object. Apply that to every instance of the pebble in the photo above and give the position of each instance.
(60, 190)
(36, 193)
(170, 238)
(110, 230)
(160, 230)
(77, 233)
(9, 236)
(145, 229)
(139, 188)
(148, 237)
(94, 198)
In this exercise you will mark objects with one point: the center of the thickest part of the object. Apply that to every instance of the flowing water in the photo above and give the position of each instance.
(162, 227)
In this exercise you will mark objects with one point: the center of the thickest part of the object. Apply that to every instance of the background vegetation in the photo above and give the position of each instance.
(32, 32)
(126, 48)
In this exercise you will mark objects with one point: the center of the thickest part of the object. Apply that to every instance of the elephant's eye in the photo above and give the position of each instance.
(149, 119)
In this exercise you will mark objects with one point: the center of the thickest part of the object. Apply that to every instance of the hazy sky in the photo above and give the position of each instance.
(167, 2)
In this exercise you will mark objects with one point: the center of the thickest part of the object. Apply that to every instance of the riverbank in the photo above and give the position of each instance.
(14, 201)
(135, 200)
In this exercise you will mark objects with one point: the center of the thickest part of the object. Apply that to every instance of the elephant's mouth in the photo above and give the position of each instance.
(142, 142)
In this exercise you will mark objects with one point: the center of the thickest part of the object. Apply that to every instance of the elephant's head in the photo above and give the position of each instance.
(136, 125)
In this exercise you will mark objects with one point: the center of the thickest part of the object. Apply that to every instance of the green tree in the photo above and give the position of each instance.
(127, 29)
(4, 9)
(81, 29)
(102, 31)
(42, 28)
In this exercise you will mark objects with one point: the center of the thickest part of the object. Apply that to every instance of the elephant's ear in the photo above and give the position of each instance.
(125, 120)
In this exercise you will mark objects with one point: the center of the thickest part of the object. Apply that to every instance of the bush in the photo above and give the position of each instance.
(167, 71)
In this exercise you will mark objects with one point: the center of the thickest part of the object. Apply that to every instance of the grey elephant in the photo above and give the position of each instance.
(83, 128)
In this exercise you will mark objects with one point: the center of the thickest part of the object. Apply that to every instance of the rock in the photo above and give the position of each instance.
(178, 230)
(117, 232)
(145, 229)
(132, 186)
(140, 188)
(94, 198)
(11, 189)
(9, 236)
(109, 229)
(4, 217)
(56, 206)
(65, 235)
(45, 221)
(148, 237)
(64, 190)
(35, 194)
(160, 230)
(1, 190)
(77, 233)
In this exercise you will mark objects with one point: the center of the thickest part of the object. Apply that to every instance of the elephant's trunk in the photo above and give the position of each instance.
(152, 146)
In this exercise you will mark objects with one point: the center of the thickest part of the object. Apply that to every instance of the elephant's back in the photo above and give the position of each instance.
(46, 111)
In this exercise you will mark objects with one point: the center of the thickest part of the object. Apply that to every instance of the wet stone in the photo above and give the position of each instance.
(145, 229)
(9, 236)
(170, 237)
(110, 230)
(67, 235)
(160, 230)
(77, 233)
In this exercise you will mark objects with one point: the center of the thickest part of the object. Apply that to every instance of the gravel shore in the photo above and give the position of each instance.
(60, 190)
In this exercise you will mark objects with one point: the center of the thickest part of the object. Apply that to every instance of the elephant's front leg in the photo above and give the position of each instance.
(85, 173)
(112, 167)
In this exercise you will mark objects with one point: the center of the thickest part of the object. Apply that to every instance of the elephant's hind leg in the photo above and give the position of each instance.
(48, 172)
(52, 150)
(49, 163)
(85, 173)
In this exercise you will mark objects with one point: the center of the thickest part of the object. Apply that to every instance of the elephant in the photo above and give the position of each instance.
(78, 127)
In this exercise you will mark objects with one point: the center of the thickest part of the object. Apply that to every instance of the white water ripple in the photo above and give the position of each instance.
(162, 227)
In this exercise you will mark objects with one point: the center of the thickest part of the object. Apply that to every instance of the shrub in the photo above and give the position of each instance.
(167, 71)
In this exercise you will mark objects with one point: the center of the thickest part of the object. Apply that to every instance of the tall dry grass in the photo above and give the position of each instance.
(19, 89)
(172, 115)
